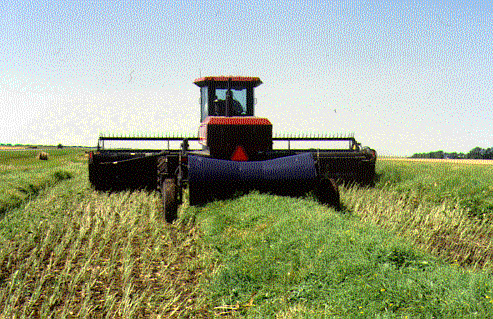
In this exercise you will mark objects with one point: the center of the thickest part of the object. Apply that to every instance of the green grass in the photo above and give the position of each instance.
(441, 207)
(69, 251)
(23, 176)
(471, 186)
(283, 257)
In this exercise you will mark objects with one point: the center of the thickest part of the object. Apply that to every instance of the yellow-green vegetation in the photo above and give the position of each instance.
(68, 251)
(293, 258)
(23, 175)
(443, 207)
(72, 252)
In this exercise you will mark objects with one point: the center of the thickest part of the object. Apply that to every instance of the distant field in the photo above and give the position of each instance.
(69, 251)
(23, 175)
(2, 148)
(438, 160)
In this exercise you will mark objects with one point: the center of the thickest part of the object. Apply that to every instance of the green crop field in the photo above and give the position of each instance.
(417, 245)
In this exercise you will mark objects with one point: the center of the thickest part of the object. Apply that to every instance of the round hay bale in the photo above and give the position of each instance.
(43, 156)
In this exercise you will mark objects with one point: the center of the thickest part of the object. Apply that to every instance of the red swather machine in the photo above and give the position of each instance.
(237, 155)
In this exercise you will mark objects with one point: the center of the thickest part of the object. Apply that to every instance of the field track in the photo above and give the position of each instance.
(439, 160)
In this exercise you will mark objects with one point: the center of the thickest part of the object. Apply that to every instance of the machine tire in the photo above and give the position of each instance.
(328, 193)
(169, 192)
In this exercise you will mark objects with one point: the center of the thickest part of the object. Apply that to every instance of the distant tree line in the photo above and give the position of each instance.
(475, 153)
(59, 146)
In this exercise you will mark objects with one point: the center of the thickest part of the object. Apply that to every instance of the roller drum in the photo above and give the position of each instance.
(211, 178)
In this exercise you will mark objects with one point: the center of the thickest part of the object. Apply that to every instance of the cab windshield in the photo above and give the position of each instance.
(239, 99)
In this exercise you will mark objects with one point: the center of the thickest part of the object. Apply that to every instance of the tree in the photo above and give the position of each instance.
(453, 155)
(476, 153)
(437, 154)
(488, 154)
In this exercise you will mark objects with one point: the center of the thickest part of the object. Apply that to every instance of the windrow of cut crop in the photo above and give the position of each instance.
(16, 189)
(23, 176)
(279, 257)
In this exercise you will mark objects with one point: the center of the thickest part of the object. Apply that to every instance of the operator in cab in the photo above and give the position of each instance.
(228, 107)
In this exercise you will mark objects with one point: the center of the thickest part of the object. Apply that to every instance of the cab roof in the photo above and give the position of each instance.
(203, 81)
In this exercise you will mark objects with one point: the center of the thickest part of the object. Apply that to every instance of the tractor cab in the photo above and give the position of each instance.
(228, 96)
(228, 125)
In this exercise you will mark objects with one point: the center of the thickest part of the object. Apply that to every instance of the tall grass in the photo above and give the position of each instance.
(445, 208)
(470, 186)
(293, 258)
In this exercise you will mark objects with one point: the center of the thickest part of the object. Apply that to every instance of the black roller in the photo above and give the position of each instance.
(213, 178)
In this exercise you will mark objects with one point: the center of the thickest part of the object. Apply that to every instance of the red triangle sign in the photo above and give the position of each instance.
(239, 154)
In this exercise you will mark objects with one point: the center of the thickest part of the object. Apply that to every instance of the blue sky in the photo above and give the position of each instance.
(405, 77)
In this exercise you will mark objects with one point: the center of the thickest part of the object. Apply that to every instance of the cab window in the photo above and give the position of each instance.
(238, 95)
(204, 103)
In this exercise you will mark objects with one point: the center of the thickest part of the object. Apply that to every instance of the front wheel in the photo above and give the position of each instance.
(169, 192)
